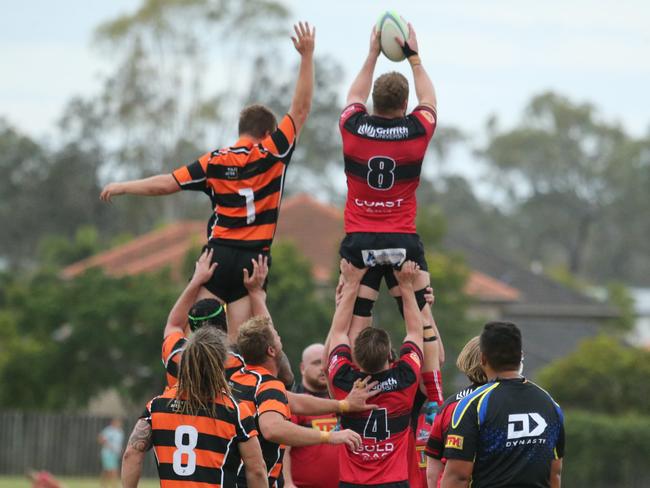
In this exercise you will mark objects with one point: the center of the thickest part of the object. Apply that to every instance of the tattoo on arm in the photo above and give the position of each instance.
(141, 436)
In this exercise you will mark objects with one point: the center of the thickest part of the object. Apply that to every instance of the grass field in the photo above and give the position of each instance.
(20, 482)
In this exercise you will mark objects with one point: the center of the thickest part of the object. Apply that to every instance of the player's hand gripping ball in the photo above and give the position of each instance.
(389, 27)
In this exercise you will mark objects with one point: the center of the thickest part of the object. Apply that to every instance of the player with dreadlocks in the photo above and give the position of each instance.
(199, 432)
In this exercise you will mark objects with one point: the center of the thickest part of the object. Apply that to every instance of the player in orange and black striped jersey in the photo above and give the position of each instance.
(245, 183)
(200, 434)
(257, 387)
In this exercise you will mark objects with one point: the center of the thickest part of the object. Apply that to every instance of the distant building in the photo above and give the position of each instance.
(553, 318)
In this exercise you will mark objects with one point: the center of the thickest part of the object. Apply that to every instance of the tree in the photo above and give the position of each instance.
(67, 341)
(178, 82)
(565, 173)
(319, 149)
(44, 191)
(299, 314)
(602, 375)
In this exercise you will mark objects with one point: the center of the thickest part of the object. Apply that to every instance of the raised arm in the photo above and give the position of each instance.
(424, 90)
(177, 319)
(406, 279)
(360, 88)
(301, 103)
(152, 186)
(343, 314)
(254, 283)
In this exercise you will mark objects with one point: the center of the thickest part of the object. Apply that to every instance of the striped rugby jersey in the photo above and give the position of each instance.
(172, 349)
(245, 184)
(260, 391)
(195, 451)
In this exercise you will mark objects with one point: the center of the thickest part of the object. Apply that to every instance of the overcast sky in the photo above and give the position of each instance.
(484, 57)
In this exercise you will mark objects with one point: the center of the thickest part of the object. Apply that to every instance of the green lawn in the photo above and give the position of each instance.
(20, 482)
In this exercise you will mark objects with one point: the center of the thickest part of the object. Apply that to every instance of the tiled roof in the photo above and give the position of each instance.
(153, 251)
(314, 227)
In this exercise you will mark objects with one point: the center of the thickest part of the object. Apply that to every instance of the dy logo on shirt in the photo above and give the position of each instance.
(525, 425)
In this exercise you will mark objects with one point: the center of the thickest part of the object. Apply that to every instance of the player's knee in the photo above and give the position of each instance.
(400, 305)
(363, 307)
(420, 298)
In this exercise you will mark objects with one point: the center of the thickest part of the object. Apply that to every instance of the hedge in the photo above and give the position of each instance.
(604, 451)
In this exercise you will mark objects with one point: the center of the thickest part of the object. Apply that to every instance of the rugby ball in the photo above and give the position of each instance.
(389, 26)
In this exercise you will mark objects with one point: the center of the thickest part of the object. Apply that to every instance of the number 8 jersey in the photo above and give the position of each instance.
(199, 450)
(383, 159)
(383, 456)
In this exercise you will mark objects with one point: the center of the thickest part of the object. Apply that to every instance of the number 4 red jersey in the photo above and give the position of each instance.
(383, 159)
(382, 458)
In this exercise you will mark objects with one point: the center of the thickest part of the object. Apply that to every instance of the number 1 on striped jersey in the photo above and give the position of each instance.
(248, 194)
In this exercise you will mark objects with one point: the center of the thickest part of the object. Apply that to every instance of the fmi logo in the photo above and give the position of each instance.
(454, 442)
(525, 425)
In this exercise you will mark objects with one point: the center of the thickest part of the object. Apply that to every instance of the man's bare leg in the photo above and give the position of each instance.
(359, 323)
(422, 281)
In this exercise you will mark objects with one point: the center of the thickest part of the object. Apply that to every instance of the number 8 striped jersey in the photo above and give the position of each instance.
(385, 431)
(383, 158)
(245, 184)
(200, 450)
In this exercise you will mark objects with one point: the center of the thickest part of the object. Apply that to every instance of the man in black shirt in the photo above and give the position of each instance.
(509, 433)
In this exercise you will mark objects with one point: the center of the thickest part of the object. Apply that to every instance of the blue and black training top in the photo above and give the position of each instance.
(512, 430)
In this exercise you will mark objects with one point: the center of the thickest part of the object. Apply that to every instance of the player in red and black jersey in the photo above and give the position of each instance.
(383, 154)
(200, 434)
(469, 363)
(382, 458)
(245, 183)
(299, 463)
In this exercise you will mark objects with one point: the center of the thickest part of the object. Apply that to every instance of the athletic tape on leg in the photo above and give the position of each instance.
(363, 307)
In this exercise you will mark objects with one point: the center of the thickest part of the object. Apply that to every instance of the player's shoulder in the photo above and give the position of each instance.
(265, 380)
(547, 396)
(472, 399)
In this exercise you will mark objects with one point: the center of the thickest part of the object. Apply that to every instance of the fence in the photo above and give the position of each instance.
(65, 444)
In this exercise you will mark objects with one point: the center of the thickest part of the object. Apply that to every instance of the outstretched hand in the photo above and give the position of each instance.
(410, 47)
(429, 297)
(350, 273)
(109, 191)
(375, 47)
(204, 267)
(256, 280)
(407, 275)
(305, 38)
(360, 393)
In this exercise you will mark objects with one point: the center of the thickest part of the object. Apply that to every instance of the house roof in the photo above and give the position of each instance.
(537, 292)
(155, 250)
(314, 227)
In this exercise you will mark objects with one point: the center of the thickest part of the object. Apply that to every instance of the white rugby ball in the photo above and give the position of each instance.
(389, 26)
